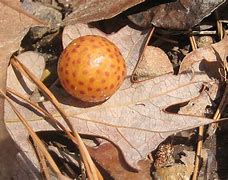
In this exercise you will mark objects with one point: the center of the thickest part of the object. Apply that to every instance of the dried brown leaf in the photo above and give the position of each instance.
(93, 10)
(209, 55)
(136, 123)
(137, 118)
(178, 171)
(154, 63)
(110, 158)
(178, 15)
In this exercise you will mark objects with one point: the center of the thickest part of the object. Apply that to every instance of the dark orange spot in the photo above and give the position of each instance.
(72, 86)
(106, 43)
(100, 43)
(66, 72)
(98, 89)
(74, 74)
(123, 73)
(66, 64)
(118, 60)
(91, 40)
(95, 46)
(118, 68)
(68, 59)
(67, 81)
(61, 69)
(85, 71)
(80, 83)
(112, 86)
(106, 88)
(118, 77)
(81, 92)
(109, 50)
(77, 46)
(93, 97)
(73, 50)
(107, 73)
(98, 71)
(78, 61)
(81, 39)
(91, 79)
(90, 89)
(112, 66)
(73, 62)
(103, 81)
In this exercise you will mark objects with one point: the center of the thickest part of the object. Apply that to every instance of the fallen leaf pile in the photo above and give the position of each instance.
(14, 26)
(151, 104)
(136, 123)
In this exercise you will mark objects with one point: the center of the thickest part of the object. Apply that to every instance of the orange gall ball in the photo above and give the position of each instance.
(91, 68)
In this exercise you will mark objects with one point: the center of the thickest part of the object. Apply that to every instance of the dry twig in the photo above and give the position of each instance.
(201, 129)
(34, 137)
(91, 169)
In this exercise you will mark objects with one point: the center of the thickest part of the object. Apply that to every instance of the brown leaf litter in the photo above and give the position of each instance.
(15, 23)
(137, 123)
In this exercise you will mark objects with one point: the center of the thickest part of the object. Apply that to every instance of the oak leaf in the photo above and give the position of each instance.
(94, 10)
(137, 118)
(177, 15)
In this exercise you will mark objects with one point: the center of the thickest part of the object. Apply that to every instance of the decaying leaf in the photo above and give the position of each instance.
(196, 106)
(110, 158)
(14, 25)
(137, 118)
(178, 15)
(93, 10)
(178, 171)
(153, 63)
(208, 56)
(137, 123)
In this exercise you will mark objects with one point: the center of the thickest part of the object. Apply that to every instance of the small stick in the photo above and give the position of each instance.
(150, 33)
(219, 25)
(212, 128)
(43, 164)
(201, 128)
(92, 171)
(34, 137)
(205, 32)
(223, 21)
(46, 113)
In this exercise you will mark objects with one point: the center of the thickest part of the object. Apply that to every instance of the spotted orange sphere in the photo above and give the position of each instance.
(91, 68)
